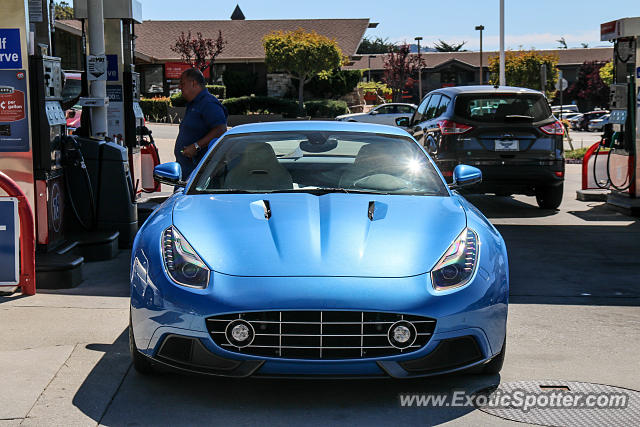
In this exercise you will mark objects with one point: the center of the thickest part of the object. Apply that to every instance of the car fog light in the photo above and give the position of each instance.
(240, 333)
(402, 334)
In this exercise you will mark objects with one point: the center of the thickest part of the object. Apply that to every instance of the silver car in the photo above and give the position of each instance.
(384, 114)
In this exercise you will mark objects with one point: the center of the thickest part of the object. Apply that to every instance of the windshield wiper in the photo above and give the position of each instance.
(516, 117)
(233, 190)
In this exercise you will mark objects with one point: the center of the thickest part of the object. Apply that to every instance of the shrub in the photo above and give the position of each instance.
(220, 91)
(155, 109)
(177, 100)
(380, 88)
(333, 84)
(240, 83)
(261, 104)
(325, 108)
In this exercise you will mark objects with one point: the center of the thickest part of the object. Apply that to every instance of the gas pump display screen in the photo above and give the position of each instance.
(14, 123)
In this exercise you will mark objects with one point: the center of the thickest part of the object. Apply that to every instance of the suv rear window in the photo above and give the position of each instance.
(497, 108)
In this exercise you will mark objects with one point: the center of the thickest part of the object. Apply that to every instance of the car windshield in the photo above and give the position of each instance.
(318, 162)
(497, 108)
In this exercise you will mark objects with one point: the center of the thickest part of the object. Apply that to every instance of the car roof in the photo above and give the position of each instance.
(485, 89)
(396, 103)
(317, 125)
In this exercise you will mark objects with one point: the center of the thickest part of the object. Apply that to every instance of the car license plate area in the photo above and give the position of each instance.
(507, 145)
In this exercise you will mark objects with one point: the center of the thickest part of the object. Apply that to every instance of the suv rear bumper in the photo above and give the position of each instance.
(513, 178)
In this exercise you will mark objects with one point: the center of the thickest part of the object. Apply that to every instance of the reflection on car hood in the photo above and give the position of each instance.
(328, 235)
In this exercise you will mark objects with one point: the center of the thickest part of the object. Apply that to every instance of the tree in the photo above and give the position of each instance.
(375, 45)
(399, 66)
(606, 73)
(334, 84)
(442, 46)
(563, 43)
(301, 55)
(589, 87)
(522, 68)
(63, 11)
(199, 51)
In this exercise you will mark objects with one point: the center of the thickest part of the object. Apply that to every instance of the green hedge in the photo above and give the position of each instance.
(220, 91)
(155, 109)
(261, 105)
(240, 83)
(325, 108)
(177, 100)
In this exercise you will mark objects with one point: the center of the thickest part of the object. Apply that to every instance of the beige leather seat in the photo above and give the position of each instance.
(369, 160)
(258, 169)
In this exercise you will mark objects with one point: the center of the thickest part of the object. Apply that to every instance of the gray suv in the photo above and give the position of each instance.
(509, 133)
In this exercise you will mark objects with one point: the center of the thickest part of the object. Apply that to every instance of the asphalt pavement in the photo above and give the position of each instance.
(574, 316)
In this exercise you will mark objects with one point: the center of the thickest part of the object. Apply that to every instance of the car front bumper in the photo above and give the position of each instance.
(476, 313)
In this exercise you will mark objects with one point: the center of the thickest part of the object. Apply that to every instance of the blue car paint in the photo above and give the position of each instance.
(328, 235)
(243, 281)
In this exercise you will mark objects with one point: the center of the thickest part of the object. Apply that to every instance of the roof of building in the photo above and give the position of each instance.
(244, 37)
(472, 59)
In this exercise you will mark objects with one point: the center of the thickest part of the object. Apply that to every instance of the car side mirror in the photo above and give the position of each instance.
(374, 112)
(465, 175)
(403, 121)
(169, 173)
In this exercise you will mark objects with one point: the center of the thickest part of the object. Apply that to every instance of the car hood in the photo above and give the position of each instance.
(328, 235)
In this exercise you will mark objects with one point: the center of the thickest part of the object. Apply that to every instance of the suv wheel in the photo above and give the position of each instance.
(549, 197)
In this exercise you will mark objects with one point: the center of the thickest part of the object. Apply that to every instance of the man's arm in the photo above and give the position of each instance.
(216, 131)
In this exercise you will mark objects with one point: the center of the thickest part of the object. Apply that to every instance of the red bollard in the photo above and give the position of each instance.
(27, 236)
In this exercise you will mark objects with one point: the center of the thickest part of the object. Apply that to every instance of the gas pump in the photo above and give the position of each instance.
(621, 135)
(48, 127)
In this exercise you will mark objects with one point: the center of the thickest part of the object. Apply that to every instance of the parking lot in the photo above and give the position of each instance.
(574, 316)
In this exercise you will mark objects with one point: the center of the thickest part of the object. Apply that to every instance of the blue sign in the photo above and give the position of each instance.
(112, 68)
(9, 242)
(638, 72)
(10, 52)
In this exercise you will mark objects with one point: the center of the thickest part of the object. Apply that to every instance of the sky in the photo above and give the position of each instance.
(528, 24)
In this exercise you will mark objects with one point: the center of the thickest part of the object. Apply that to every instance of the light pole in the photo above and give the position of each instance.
(503, 80)
(419, 70)
(369, 78)
(480, 28)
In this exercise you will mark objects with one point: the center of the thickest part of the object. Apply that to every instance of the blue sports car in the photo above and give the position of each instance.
(319, 249)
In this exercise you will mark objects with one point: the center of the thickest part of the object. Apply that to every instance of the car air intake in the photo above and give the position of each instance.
(320, 334)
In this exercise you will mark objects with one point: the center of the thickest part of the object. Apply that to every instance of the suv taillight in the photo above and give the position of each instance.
(449, 127)
(554, 128)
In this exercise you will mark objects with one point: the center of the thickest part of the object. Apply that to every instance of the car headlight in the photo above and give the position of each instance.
(182, 263)
(457, 265)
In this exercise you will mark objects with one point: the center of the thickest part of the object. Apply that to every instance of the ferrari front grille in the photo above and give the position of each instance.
(320, 334)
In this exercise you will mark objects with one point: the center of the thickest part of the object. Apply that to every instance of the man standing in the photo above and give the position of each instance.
(205, 119)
